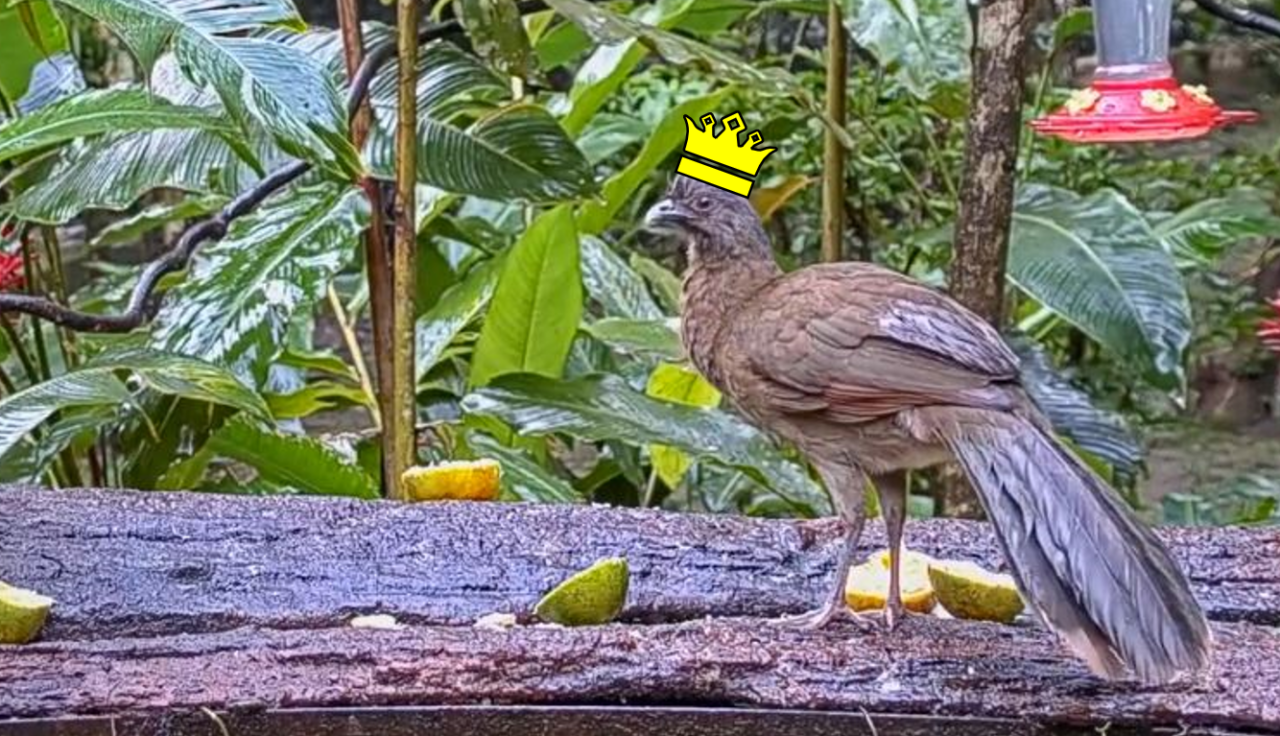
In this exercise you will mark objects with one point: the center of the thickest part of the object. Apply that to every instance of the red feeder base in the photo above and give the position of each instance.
(1138, 110)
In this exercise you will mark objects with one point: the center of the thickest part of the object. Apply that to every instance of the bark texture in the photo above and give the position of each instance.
(977, 275)
(169, 603)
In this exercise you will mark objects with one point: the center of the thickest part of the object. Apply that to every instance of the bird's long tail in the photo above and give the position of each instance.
(1092, 571)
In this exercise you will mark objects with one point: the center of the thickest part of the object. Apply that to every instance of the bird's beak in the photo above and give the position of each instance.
(665, 216)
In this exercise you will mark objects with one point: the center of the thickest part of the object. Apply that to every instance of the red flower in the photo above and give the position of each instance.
(1269, 330)
(11, 273)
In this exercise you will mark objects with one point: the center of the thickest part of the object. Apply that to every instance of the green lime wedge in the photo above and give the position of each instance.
(22, 614)
(591, 597)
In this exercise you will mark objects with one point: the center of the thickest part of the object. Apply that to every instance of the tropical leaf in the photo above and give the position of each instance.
(315, 397)
(664, 284)
(98, 385)
(606, 27)
(101, 111)
(148, 27)
(924, 43)
(1097, 263)
(458, 307)
(497, 34)
(38, 66)
(512, 151)
(1201, 232)
(260, 81)
(606, 408)
(536, 306)
(112, 171)
(678, 385)
(130, 229)
(236, 306)
(296, 461)
(1072, 412)
(638, 337)
(612, 63)
(523, 477)
(620, 189)
(612, 284)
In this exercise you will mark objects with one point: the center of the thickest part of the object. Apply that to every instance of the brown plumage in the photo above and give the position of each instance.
(868, 372)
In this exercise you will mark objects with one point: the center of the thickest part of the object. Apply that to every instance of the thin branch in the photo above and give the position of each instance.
(833, 156)
(1252, 19)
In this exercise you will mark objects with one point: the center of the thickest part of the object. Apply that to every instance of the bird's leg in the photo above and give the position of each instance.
(892, 490)
(846, 489)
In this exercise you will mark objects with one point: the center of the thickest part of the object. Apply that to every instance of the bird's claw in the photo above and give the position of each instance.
(819, 618)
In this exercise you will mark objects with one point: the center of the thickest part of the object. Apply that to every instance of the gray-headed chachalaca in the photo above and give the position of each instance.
(868, 372)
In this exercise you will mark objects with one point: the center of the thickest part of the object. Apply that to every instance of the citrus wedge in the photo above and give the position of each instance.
(591, 597)
(460, 480)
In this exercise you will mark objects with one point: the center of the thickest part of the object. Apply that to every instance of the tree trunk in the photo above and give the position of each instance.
(977, 277)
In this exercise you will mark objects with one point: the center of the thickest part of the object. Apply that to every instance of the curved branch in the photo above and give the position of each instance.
(1252, 19)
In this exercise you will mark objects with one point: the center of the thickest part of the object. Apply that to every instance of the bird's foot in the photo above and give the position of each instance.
(820, 617)
(894, 616)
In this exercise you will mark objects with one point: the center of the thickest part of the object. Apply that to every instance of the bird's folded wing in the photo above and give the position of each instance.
(859, 351)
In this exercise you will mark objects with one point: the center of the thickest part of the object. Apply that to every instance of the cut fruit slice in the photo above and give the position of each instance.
(968, 591)
(591, 597)
(22, 614)
(867, 587)
(460, 480)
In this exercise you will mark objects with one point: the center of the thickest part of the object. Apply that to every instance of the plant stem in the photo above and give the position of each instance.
(37, 328)
(376, 248)
(57, 275)
(357, 356)
(833, 153)
(939, 161)
(398, 426)
(15, 342)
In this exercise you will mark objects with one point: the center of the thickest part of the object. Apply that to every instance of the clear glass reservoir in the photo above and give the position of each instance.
(1133, 38)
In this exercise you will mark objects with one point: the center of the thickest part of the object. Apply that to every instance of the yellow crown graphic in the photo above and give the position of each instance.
(724, 150)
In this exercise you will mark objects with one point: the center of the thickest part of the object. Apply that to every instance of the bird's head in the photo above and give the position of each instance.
(714, 224)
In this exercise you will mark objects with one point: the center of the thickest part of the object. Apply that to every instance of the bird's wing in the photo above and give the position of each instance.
(858, 343)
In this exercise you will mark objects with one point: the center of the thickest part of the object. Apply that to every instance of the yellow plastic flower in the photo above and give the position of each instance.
(1082, 100)
(1158, 100)
(1199, 93)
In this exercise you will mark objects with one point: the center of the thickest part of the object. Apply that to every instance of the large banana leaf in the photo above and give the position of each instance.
(1097, 263)
(510, 151)
(924, 43)
(537, 305)
(98, 385)
(295, 461)
(237, 304)
(112, 171)
(101, 111)
(261, 81)
(606, 408)
(497, 34)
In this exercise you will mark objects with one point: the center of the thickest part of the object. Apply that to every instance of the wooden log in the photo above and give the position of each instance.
(168, 603)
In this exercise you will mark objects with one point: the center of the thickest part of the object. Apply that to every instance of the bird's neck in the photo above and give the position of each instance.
(714, 291)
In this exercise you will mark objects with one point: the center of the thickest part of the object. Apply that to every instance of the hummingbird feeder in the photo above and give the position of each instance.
(1134, 96)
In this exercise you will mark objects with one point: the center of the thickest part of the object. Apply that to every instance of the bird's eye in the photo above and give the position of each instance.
(702, 203)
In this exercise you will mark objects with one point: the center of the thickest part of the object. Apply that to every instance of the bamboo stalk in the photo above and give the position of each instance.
(833, 156)
(398, 424)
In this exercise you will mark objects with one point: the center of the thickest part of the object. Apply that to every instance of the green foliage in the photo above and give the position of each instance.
(536, 306)
(546, 333)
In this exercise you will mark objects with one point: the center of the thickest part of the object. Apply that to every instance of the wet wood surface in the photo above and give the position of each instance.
(186, 613)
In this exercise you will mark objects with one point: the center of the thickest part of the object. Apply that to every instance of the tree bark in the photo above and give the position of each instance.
(169, 603)
(977, 276)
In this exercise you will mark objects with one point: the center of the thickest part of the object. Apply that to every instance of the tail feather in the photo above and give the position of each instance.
(1092, 571)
